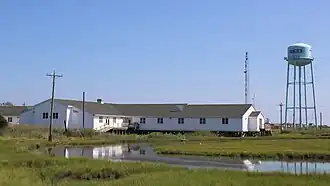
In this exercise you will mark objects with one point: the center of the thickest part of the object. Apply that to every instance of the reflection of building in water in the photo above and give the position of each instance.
(100, 152)
(289, 167)
(301, 167)
(96, 152)
(109, 151)
(134, 152)
(249, 165)
(78, 152)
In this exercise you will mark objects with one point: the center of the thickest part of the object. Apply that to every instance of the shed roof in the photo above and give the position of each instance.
(255, 114)
(12, 110)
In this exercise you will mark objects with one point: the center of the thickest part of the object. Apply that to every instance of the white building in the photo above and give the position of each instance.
(12, 113)
(150, 117)
(194, 117)
(69, 113)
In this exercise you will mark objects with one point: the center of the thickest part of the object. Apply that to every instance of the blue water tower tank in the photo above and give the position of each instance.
(299, 54)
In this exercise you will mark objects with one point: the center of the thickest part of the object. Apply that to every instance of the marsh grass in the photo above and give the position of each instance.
(88, 136)
(315, 149)
(74, 172)
(21, 165)
(310, 132)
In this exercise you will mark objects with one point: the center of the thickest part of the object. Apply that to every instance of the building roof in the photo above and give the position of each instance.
(12, 110)
(184, 110)
(255, 113)
(162, 110)
(92, 107)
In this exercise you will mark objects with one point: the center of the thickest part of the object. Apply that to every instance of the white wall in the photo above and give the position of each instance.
(253, 124)
(42, 107)
(15, 119)
(261, 124)
(108, 120)
(27, 117)
(74, 116)
(256, 123)
(245, 118)
(192, 124)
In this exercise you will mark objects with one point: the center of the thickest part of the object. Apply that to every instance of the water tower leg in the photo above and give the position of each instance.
(294, 96)
(315, 114)
(300, 98)
(305, 92)
(286, 97)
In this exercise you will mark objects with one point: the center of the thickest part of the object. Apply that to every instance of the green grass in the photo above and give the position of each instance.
(39, 135)
(27, 168)
(316, 149)
(88, 136)
(81, 172)
(300, 133)
(21, 164)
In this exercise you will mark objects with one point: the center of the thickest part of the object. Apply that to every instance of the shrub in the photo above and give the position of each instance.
(3, 124)
(286, 132)
(203, 133)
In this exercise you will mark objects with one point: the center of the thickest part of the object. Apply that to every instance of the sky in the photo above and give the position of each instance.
(146, 51)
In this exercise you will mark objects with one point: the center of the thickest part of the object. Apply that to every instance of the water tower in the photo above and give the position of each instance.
(299, 79)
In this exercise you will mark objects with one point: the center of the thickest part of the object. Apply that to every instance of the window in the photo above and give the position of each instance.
(100, 119)
(55, 115)
(10, 119)
(260, 121)
(160, 120)
(114, 120)
(202, 121)
(180, 120)
(224, 120)
(143, 120)
(296, 51)
(45, 115)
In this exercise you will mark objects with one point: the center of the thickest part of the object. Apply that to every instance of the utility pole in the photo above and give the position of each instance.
(54, 76)
(83, 108)
(321, 119)
(246, 78)
(281, 115)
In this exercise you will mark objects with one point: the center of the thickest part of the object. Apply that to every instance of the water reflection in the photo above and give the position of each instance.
(143, 152)
(301, 167)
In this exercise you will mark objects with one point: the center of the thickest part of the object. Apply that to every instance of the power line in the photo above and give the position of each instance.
(54, 76)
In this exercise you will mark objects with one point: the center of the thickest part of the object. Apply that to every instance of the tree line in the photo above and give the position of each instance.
(7, 103)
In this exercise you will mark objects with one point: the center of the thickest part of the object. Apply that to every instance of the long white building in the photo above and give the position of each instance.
(149, 117)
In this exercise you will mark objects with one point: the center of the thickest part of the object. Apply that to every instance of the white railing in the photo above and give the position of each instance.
(106, 127)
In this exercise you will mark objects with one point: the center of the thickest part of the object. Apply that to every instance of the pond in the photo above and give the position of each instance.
(145, 153)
